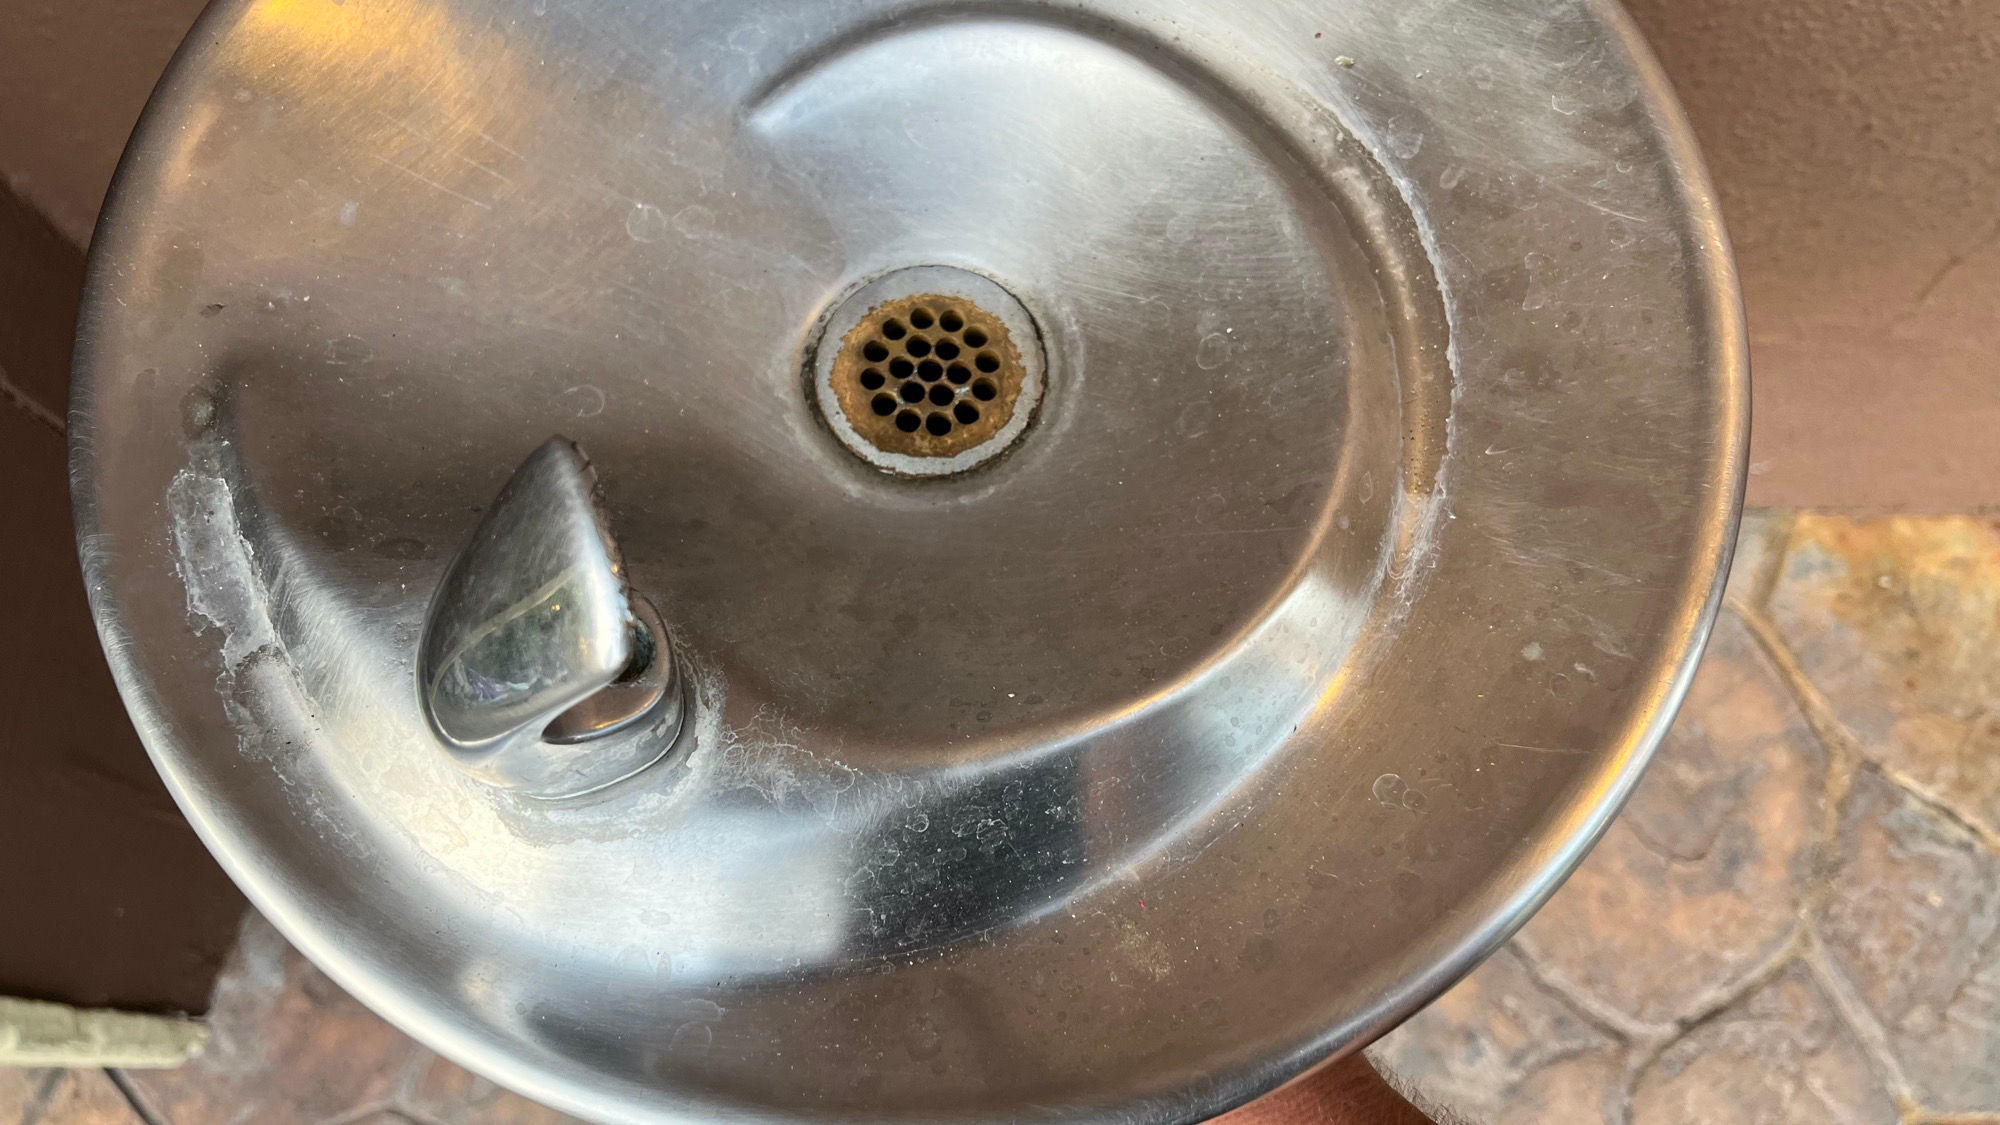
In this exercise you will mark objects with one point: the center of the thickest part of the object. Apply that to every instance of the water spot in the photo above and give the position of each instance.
(1537, 296)
(347, 351)
(1389, 789)
(582, 401)
(692, 1039)
(1196, 418)
(217, 566)
(1212, 352)
(694, 221)
(1532, 652)
(349, 211)
(645, 223)
(1404, 142)
(1259, 954)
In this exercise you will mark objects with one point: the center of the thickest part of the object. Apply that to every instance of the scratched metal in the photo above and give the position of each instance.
(1354, 563)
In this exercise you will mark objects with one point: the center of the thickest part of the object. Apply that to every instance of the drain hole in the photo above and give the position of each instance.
(927, 377)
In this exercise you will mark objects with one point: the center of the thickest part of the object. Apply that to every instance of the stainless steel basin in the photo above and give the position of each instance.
(1355, 522)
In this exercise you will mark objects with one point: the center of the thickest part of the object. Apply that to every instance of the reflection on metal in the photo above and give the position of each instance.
(537, 668)
(1337, 567)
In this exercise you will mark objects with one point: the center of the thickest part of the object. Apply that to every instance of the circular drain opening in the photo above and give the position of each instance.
(928, 371)
(949, 412)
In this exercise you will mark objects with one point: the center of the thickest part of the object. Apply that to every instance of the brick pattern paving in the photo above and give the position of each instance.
(1797, 918)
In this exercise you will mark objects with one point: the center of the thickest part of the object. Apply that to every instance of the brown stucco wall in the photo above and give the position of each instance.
(73, 77)
(1856, 147)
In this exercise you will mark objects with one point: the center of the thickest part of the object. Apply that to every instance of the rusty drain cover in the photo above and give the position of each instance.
(928, 371)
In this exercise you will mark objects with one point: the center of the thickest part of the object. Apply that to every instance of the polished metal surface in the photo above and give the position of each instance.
(1327, 604)
(536, 669)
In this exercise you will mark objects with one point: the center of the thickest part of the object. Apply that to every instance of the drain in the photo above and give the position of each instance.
(929, 370)
(928, 376)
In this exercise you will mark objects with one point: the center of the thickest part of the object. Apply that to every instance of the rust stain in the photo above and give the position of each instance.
(928, 376)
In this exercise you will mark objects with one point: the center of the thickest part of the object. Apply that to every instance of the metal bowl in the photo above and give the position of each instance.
(1329, 593)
